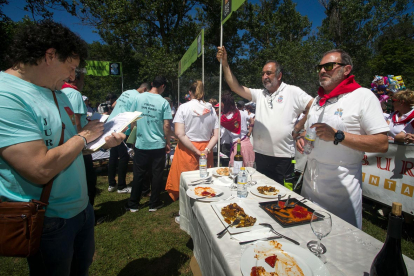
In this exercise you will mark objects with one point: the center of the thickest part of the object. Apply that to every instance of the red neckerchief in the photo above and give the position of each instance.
(68, 85)
(405, 121)
(346, 86)
(233, 124)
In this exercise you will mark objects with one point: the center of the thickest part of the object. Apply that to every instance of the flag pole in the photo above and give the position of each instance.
(220, 84)
(178, 99)
(202, 47)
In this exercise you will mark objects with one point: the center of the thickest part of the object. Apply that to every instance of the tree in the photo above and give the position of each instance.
(354, 26)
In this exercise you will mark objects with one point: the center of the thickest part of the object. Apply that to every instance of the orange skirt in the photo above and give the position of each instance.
(184, 160)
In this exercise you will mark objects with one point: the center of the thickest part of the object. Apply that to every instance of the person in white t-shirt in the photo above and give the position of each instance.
(277, 107)
(348, 122)
(401, 121)
(197, 129)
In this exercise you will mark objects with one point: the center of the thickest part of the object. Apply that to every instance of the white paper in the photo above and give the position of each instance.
(116, 124)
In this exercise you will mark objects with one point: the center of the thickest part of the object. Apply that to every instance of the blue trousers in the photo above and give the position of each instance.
(67, 246)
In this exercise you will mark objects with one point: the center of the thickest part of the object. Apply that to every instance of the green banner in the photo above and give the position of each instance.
(103, 68)
(194, 51)
(228, 7)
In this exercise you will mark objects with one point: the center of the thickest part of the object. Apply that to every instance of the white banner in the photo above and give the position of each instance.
(389, 177)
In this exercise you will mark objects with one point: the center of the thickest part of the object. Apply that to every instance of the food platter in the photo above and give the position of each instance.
(287, 253)
(217, 206)
(220, 193)
(286, 217)
(217, 174)
(255, 190)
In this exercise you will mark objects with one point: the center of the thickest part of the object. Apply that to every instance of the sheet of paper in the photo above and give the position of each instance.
(132, 136)
(117, 124)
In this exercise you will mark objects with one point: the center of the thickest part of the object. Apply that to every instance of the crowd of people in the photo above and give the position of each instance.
(47, 58)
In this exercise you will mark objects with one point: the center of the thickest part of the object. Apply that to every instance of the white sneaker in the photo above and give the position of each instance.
(126, 190)
(177, 219)
(156, 208)
(111, 189)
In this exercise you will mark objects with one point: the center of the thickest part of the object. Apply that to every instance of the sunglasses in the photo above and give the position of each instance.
(327, 66)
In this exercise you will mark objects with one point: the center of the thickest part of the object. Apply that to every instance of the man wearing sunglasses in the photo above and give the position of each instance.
(348, 121)
(277, 107)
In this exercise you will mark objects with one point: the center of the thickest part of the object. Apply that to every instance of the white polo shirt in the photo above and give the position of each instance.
(396, 129)
(273, 126)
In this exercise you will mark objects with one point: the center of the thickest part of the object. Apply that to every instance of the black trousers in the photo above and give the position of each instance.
(152, 161)
(90, 177)
(120, 152)
(274, 167)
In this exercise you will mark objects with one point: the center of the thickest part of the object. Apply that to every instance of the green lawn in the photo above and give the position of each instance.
(152, 244)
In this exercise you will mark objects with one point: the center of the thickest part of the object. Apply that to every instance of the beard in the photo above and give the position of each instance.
(268, 84)
(335, 79)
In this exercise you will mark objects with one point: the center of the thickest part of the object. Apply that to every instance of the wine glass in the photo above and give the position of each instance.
(233, 186)
(321, 224)
(251, 169)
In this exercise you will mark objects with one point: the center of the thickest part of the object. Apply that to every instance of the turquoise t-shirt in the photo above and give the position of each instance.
(28, 113)
(123, 104)
(79, 107)
(150, 129)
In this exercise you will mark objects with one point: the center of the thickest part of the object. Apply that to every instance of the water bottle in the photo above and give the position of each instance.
(309, 140)
(242, 183)
(203, 165)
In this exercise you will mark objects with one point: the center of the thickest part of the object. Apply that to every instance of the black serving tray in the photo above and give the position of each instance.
(281, 215)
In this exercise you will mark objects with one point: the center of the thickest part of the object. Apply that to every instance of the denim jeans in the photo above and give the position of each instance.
(152, 161)
(67, 246)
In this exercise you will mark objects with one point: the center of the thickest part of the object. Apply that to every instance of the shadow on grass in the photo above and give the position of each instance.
(168, 264)
(110, 210)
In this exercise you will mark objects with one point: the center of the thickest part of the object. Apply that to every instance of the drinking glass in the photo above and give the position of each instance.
(321, 224)
(251, 169)
(233, 186)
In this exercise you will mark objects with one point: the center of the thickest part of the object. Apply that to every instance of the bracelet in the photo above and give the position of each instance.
(84, 141)
(207, 150)
(296, 131)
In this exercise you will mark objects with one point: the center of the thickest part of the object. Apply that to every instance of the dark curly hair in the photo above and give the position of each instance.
(228, 101)
(31, 41)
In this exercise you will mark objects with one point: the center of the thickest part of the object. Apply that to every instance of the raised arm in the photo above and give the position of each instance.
(231, 80)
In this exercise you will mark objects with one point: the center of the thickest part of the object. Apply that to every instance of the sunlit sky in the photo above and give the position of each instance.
(15, 11)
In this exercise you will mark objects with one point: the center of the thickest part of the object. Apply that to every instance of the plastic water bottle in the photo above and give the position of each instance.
(203, 165)
(309, 140)
(242, 183)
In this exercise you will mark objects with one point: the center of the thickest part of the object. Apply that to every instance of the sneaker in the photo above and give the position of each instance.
(177, 219)
(111, 189)
(156, 208)
(126, 190)
(131, 210)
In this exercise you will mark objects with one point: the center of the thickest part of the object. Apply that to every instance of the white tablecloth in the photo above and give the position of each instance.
(349, 250)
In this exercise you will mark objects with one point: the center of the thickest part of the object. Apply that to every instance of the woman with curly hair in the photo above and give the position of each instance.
(401, 121)
(235, 127)
(196, 127)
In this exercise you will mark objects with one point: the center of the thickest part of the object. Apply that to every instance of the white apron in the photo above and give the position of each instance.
(333, 178)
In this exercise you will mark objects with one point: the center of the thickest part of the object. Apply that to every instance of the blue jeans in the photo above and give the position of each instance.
(67, 246)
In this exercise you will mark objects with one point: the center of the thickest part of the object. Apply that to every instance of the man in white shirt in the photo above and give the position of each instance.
(277, 107)
(348, 122)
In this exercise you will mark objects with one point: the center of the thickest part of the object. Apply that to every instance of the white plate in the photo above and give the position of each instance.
(217, 206)
(254, 191)
(306, 260)
(226, 193)
(218, 175)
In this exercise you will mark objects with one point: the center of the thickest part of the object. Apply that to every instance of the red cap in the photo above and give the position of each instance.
(217, 105)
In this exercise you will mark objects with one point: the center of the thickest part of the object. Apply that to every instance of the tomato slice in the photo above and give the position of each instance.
(253, 272)
(205, 193)
(271, 260)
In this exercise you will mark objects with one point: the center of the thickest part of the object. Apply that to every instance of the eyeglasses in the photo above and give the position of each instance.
(327, 66)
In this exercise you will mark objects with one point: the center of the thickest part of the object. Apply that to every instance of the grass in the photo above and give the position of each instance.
(145, 243)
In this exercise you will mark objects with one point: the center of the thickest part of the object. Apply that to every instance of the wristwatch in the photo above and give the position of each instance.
(208, 150)
(339, 137)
